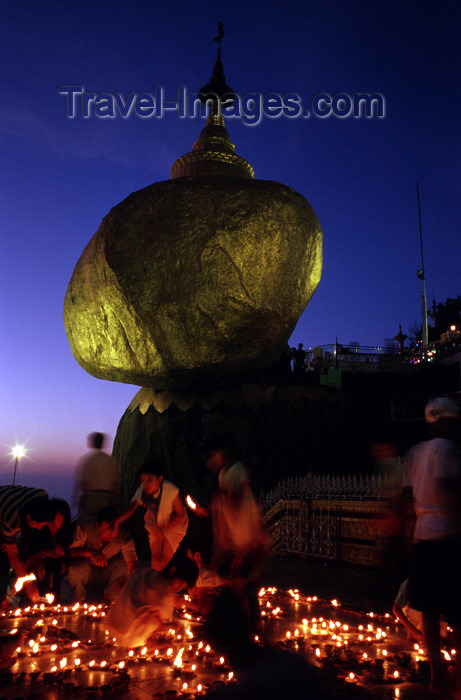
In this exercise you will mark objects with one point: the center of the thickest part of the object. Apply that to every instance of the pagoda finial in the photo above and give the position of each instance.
(217, 91)
(219, 38)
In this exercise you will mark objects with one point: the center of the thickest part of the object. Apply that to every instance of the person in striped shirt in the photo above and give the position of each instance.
(21, 507)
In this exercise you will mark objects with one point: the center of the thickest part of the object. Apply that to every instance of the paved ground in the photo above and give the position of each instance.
(352, 585)
(356, 588)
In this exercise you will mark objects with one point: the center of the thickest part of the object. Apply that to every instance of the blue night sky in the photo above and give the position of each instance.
(61, 176)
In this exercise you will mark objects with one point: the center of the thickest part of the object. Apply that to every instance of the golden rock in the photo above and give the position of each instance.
(196, 281)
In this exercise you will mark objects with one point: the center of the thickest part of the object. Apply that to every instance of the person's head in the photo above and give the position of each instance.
(443, 416)
(219, 451)
(37, 513)
(61, 515)
(182, 574)
(106, 523)
(151, 476)
(95, 440)
(200, 552)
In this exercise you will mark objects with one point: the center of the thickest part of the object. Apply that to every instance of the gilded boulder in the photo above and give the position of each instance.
(193, 281)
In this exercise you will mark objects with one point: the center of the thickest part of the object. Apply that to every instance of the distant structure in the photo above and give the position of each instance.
(400, 338)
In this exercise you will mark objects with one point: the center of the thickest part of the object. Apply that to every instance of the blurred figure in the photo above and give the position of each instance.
(299, 360)
(394, 563)
(433, 472)
(95, 479)
(45, 551)
(102, 555)
(146, 603)
(165, 518)
(21, 508)
(411, 619)
(240, 541)
(204, 593)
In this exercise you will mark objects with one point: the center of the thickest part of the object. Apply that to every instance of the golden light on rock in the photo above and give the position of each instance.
(194, 281)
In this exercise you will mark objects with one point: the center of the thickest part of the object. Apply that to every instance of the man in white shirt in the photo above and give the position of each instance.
(95, 479)
(433, 472)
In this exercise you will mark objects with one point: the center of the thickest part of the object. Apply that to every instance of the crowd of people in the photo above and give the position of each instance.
(222, 572)
(96, 556)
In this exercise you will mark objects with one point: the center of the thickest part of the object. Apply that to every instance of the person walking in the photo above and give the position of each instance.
(95, 479)
(432, 471)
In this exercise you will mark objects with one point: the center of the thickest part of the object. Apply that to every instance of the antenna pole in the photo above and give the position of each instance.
(421, 275)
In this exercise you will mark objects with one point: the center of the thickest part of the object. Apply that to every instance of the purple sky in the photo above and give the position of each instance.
(61, 176)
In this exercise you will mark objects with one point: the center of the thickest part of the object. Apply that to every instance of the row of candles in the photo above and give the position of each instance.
(355, 652)
(186, 656)
(339, 644)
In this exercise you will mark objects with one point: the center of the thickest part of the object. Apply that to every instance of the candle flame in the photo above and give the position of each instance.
(22, 580)
(178, 660)
(191, 503)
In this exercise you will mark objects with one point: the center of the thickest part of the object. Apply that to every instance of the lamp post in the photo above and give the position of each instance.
(18, 452)
(421, 275)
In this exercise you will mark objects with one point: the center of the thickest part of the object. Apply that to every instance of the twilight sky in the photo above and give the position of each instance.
(61, 175)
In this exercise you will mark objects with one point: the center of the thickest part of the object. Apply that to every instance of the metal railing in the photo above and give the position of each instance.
(327, 486)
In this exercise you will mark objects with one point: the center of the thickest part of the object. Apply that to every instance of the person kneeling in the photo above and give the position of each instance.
(146, 603)
(102, 554)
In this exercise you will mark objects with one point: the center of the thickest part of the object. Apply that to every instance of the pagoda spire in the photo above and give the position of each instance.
(216, 90)
(213, 153)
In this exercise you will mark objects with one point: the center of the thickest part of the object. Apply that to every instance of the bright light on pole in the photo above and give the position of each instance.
(18, 452)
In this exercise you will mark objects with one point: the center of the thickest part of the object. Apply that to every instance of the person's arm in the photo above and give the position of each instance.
(127, 513)
(37, 557)
(413, 631)
(94, 555)
(177, 514)
(130, 555)
(79, 548)
(19, 569)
